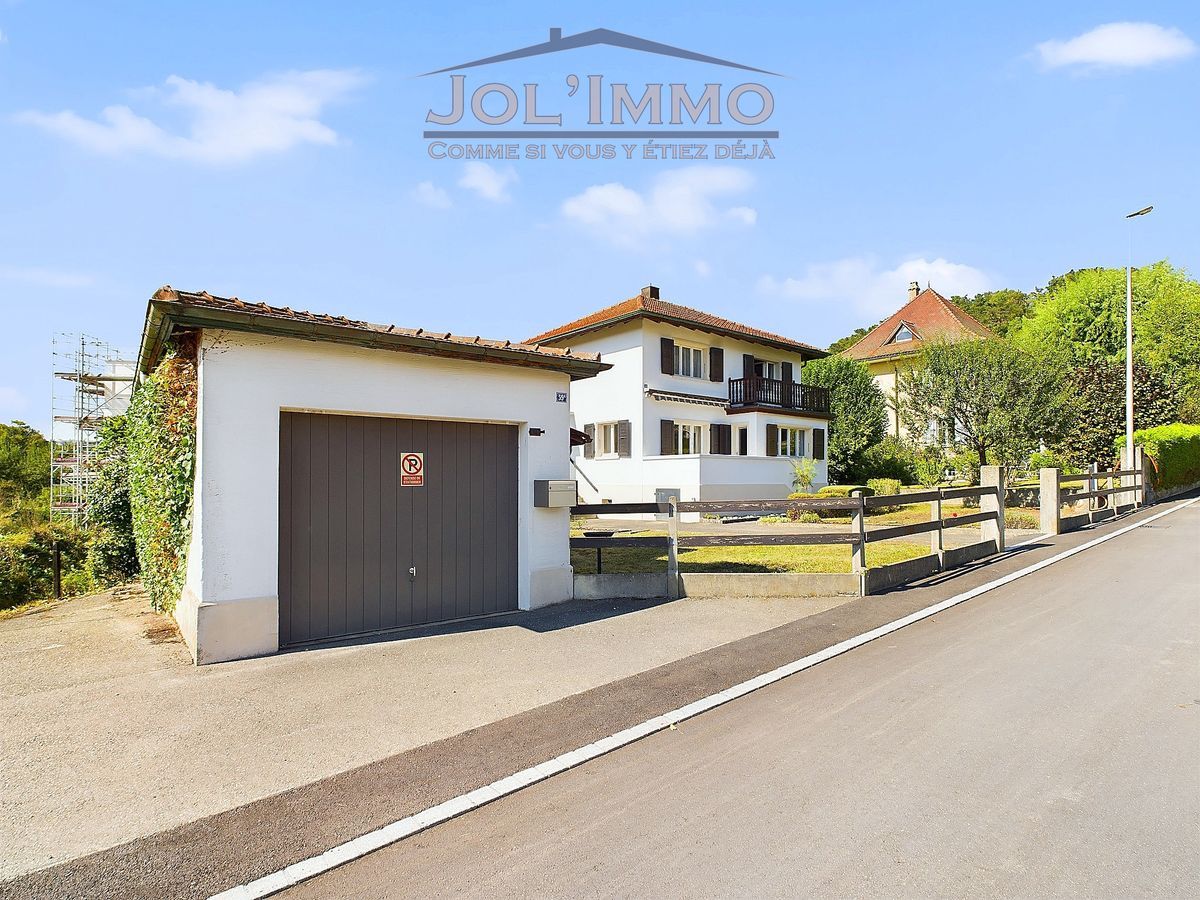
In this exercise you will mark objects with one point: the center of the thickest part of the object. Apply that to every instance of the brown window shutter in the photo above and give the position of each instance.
(716, 364)
(772, 440)
(624, 441)
(720, 438)
(747, 365)
(666, 436)
(589, 449)
(667, 346)
(786, 372)
(818, 443)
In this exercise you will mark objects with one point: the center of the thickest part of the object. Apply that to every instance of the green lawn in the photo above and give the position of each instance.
(816, 558)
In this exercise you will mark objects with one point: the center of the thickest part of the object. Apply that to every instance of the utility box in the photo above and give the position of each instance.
(553, 494)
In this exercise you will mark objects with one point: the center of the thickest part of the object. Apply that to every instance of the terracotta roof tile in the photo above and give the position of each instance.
(654, 308)
(208, 301)
(930, 317)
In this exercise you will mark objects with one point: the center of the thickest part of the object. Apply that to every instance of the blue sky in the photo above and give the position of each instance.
(273, 151)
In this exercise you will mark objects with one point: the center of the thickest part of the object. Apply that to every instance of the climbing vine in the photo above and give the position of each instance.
(161, 436)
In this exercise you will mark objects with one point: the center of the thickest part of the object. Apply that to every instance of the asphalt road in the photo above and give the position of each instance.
(1041, 740)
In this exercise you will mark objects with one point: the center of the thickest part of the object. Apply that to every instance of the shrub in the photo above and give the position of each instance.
(843, 490)
(884, 487)
(112, 551)
(890, 458)
(804, 470)
(27, 563)
(161, 447)
(929, 466)
(1174, 451)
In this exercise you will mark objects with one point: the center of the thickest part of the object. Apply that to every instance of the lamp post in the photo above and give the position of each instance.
(1128, 463)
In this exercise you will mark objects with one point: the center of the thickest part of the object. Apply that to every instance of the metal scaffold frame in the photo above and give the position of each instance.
(92, 381)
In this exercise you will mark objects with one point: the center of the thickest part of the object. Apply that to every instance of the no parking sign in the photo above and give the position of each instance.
(412, 469)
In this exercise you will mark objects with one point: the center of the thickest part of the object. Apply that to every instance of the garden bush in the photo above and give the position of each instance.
(1174, 452)
(884, 487)
(161, 450)
(27, 563)
(890, 458)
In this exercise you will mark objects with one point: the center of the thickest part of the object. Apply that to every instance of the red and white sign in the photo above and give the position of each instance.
(412, 469)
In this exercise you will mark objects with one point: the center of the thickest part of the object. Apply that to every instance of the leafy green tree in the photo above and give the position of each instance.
(24, 462)
(1001, 400)
(1095, 405)
(853, 338)
(1080, 318)
(857, 407)
(1001, 311)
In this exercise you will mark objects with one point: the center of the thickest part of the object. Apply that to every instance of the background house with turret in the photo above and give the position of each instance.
(893, 345)
(694, 405)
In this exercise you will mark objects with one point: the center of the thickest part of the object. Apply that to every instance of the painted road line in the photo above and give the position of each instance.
(435, 815)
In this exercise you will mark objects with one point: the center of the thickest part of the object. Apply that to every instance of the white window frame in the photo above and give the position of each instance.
(691, 434)
(771, 369)
(793, 442)
(695, 361)
(606, 440)
(904, 326)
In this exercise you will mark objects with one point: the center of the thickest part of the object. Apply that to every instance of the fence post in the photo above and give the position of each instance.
(1049, 500)
(56, 554)
(858, 526)
(1093, 484)
(993, 502)
(1129, 460)
(672, 550)
(1143, 476)
(936, 541)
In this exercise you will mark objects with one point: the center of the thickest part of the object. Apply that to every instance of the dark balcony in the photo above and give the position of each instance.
(775, 392)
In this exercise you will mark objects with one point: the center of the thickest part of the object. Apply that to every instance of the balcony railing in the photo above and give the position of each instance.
(755, 390)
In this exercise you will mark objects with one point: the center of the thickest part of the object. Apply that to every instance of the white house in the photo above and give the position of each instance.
(353, 478)
(694, 405)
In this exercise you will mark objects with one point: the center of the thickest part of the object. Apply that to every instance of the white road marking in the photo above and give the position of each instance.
(435, 815)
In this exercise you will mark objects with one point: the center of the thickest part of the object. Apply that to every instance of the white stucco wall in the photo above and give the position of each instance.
(633, 351)
(230, 607)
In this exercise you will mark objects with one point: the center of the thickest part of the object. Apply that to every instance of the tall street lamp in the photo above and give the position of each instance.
(1129, 343)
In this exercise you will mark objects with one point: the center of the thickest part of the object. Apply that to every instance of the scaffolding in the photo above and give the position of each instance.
(92, 381)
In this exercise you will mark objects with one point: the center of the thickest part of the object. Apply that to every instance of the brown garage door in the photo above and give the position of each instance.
(360, 552)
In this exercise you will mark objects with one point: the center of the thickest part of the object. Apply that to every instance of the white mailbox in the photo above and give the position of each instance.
(548, 494)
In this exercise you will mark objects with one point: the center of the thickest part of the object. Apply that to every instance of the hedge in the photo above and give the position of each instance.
(161, 448)
(26, 563)
(1174, 450)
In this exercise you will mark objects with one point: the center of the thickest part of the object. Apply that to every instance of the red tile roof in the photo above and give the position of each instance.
(204, 310)
(930, 317)
(652, 307)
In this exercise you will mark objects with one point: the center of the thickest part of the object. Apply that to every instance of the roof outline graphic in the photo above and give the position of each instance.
(600, 36)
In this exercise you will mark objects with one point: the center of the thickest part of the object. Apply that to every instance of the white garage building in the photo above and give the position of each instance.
(306, 525)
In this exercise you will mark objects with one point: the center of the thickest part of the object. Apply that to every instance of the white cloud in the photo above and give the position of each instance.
(871, 291)
(263, 117)
(429, 194)
(40, 277)
(702, 267)
(12, 402)
(1118, 45)
(488, 182)
(683, 201)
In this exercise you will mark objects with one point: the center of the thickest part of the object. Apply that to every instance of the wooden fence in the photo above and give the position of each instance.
(857, 536)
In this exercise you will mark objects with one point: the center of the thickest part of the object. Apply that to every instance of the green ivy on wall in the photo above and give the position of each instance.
(161, 447)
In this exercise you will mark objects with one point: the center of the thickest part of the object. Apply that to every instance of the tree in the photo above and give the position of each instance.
(1001, 401)
(1095, 405)
(1080, 318)
(857, 335)
(1001, 311)
(24, 462)
(857, 408)
(112, 551)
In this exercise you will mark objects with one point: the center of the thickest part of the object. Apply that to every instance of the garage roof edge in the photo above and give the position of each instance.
(170, 309)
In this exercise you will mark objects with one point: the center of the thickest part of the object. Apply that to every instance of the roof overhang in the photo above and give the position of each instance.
(802, 351)
(165, 316)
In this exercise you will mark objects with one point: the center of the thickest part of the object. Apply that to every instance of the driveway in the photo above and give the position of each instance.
(111, 734)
